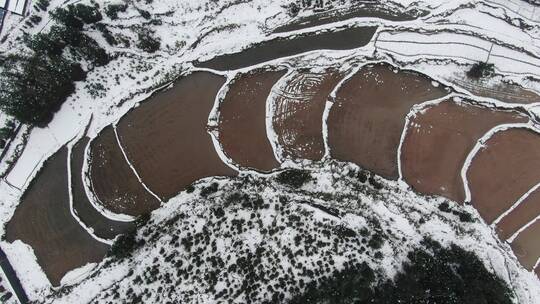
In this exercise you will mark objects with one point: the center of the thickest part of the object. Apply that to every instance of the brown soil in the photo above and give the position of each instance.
(510, 93)
(438, 141)
(242, 122)
(43, 220)
(527, 247)
(102, 226)
(113, 181)
(501, 172)
(527, 211)
(368, 116)
(166, 138)
(299, 107)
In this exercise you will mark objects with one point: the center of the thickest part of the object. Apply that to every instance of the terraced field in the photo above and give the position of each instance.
(398, 124)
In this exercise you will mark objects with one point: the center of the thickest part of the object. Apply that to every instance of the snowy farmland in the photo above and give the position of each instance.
(246, 89)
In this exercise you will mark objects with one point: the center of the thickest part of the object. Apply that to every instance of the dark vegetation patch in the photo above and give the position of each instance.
(112, 10)
(481, 70)
(294, 178)
(7, 132)
(433, 274)
(462, 215)
(34, 86)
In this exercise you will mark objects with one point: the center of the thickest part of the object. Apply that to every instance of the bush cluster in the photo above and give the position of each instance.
(33, 87)
(481, 70)
(433, 274)
(112, 10)
(147, 41)
(295, 178)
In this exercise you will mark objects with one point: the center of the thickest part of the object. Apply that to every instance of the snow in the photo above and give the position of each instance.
(461, 37)
(23, 261)
(77, 275)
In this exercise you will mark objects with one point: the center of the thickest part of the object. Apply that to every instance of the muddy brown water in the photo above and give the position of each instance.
(527, 211)
(345, 39)
(371, 10)
(43, 220)
(297, 119)
(113, 181)
(368, 116)
(102, 226)
(503, 170)
(438, 141)
(242, 120)
(527, 247)
(166, 138)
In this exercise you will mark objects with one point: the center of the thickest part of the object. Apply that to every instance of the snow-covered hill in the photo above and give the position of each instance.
(268, 238)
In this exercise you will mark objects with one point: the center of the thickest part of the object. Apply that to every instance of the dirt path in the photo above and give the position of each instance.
(438, 141)
(297, 119)
(166, 138)
(507, 167)
(368, 116)
(527, 247)
(102, 226)
(242, 120)
(510, 93)
(113, 181)
(43, 220)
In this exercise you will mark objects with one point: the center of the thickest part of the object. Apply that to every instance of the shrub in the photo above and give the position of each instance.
(75, 16)
(433, 274)
(292, 9)
(47, 43)
(147, 42)
(124, 245)
(33, 87)
(209, 190)
(294, 177)
(480, 70)
(112, 10)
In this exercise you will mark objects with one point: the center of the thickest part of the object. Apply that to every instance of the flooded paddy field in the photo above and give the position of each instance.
(298, 105)
(503, 170)
(43, 220)
(367, 10)
(438, 141)
(368, 116)
(113, 181)
(166, 137)
(524, 213)
(242, 120)
(345, 39)
(102, 226)
(527, 247)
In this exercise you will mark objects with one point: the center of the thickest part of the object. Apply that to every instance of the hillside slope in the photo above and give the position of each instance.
(298, 235)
